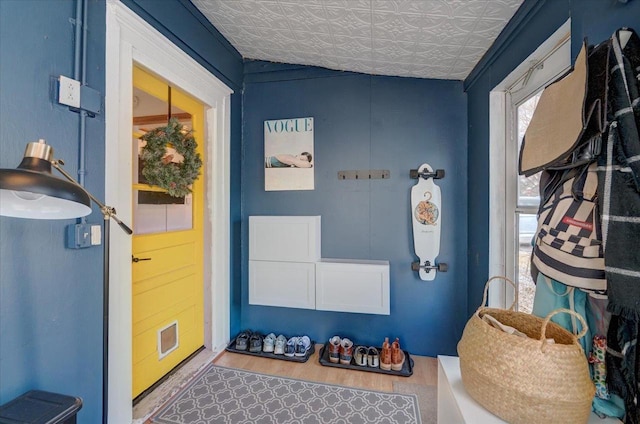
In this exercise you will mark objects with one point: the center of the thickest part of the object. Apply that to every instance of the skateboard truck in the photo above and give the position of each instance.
(436, 175)
(441, 267)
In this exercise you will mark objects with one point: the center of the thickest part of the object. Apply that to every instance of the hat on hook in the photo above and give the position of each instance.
(569, 112)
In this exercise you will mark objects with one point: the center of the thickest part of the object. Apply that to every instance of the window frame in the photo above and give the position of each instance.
(548, 62)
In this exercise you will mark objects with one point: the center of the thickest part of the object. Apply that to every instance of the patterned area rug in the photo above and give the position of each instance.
(427, 399)
(225, 395)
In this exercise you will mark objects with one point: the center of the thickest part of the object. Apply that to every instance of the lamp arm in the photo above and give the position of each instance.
(107, 211)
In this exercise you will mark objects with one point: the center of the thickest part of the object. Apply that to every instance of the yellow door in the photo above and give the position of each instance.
(167, 268)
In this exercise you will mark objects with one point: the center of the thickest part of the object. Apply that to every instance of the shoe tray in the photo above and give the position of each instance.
(232, 348)
(406, 371)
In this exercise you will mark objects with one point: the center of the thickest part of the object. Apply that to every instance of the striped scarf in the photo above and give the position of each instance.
(619, 180)
(619, 191)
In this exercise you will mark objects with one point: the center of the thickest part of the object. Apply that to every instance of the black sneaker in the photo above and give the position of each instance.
(255, 343)
(242, 341)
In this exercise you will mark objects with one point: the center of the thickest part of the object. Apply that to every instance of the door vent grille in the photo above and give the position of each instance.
(167, 339)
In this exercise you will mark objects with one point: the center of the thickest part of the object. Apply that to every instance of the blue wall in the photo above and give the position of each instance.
(50, 297)
(365, 122)
(534, 22)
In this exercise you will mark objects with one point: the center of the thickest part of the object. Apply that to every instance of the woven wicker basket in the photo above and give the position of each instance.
(526, 379)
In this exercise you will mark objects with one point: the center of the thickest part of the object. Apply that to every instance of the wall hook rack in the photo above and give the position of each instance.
(365, 174)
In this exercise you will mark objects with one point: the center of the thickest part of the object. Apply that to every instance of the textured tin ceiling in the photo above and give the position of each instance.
(441, 39)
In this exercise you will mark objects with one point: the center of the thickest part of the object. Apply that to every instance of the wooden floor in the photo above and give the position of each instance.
(425, 371)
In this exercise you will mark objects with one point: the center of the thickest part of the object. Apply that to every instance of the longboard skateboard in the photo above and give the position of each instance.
(426, 216)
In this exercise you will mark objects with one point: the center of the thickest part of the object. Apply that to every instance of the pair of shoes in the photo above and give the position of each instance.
(242, 341)
(391, 357)
(268, 344)
(278, 348)
(360, 357)
(297, 346)
(364, 357)
(397, 356)
(255, 343)
(340, 350)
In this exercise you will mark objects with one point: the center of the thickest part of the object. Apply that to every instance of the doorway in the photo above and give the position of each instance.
(131, 40)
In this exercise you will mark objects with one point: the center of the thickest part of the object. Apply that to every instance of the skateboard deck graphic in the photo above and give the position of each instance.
(426, 217)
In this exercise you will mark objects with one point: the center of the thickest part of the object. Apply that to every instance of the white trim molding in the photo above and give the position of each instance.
(550, 60)
(129, 40)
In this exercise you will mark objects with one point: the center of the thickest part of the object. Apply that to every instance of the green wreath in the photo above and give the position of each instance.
(158, 168)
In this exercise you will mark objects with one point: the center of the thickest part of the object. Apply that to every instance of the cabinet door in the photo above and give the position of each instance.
(353, 286)
(288, 284)
(284, 238)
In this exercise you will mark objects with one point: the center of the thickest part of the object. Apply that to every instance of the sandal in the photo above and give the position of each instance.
(373, 359)
(242, 341)
(360, 356)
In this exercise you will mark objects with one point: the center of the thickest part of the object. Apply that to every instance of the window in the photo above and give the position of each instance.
(514, 199)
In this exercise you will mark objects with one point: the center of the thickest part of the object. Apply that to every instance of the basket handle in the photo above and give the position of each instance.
(486, 291)
(581, 334)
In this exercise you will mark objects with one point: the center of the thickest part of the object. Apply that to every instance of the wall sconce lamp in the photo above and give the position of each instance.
(31, 191)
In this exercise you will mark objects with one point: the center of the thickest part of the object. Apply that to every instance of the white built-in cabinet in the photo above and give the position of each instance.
(283, 251)
(350, 285)
(286, 270)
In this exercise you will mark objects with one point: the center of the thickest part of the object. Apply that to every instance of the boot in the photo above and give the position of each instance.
(385, 355)
(397, 356)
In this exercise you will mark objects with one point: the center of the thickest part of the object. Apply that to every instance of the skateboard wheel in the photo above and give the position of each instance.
(439, 174)
(442, 267)
(415, 266)
(413, 173)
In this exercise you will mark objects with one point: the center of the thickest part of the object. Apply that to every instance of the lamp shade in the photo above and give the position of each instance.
(31, 191)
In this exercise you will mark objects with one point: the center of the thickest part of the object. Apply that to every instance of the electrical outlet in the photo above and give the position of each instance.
(69, 92)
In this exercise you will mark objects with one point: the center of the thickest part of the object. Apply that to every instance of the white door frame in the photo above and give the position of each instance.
(524, 80)
(130, 39)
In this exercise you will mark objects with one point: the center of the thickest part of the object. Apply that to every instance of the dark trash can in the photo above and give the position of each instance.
(38, 407)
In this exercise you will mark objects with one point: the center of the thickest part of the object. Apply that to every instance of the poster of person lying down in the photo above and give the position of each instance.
(288, 154)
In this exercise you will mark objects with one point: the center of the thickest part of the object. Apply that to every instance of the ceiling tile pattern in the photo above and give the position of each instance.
(442, 39)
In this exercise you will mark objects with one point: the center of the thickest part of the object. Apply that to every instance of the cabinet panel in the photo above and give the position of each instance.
(352, 286)
(284, 238)
(288, 284)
